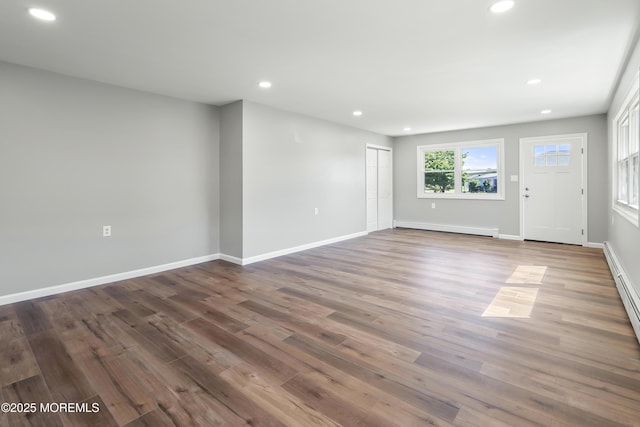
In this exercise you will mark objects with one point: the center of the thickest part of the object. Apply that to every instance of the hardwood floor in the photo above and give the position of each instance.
(384, 330)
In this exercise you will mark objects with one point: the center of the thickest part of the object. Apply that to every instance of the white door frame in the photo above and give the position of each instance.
(583, 178)
(390, 150)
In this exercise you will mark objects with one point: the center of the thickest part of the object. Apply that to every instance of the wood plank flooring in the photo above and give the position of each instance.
(383, 330)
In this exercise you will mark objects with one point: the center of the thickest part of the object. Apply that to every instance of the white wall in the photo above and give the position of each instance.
(293, 164)
(624, 237)
(501, 214)
(176, 180)
(76, 155)
(231, 119)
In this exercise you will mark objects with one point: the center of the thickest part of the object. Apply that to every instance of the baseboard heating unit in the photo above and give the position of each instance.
(627, 291)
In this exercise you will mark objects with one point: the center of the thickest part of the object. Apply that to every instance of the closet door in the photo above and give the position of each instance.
(385, 201)
(372, 189)
(379, 189)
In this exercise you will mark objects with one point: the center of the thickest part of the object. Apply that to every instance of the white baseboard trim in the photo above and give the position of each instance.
(304, 247)
(594, 245)
(81, 284)
(509, 237)
(232, 259)
(628, 293)
(480, 231)
(274, 254)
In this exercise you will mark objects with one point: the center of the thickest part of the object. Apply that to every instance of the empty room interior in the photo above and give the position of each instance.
(336, 213)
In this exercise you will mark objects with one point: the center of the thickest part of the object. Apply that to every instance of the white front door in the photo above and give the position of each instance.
(379, 189)
(552, 188)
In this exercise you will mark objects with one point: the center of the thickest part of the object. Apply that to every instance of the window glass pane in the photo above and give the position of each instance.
(462, 170)
(552, 160)
(439, 169)
(442, 160)
(540, 161)
(551, 149)
(480, 169)
(438, 182)
(622, 181)
(633, 191)
(563, 160)
(564, 149)
(623, 139)
(627, 145)
(634, 131)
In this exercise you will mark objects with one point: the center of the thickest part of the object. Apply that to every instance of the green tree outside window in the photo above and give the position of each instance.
(439, 171)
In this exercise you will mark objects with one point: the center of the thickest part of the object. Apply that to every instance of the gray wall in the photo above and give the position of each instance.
(231, 120)
(502, 214)
(624, 236)
(293, 164)
(76, 155)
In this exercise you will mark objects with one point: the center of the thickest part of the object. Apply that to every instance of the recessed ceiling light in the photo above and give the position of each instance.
(357, 113)
(545, 112)
(502, 6)
(42, 14)
(532, 82)
(407, 129)
(264, 84)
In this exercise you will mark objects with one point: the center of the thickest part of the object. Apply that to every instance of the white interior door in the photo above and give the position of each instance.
(552, 188)
(379, 189)
(372, 189)
(385, 205)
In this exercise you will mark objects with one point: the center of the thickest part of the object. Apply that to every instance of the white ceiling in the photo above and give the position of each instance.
(431, 65)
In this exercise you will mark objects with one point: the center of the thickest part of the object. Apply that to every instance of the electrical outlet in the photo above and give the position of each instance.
(433, 205)
(315, 211)
(106, 231)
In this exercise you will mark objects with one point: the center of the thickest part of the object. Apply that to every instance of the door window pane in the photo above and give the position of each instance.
(552, 155)
(538, 155)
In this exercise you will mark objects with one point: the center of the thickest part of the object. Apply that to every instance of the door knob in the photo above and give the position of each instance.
(525, 195)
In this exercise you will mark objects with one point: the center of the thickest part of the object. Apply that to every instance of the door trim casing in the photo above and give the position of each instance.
(583, 178)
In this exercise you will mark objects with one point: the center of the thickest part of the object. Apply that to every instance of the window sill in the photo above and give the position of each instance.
(460, 196)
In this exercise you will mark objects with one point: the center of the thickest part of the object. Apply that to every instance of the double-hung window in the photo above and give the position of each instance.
(462, 170)
(626, 127)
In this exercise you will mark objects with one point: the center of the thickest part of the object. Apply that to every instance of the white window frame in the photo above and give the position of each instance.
(457, 148)
(629, 212)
